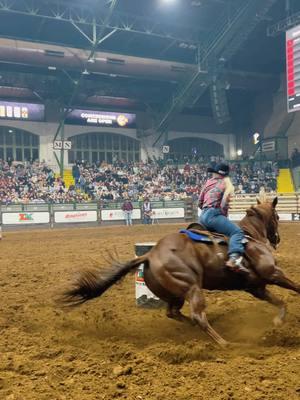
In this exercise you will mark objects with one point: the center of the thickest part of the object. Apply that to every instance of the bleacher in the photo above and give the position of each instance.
(287, 202)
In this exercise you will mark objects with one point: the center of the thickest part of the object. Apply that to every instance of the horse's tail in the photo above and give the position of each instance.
(93, 283)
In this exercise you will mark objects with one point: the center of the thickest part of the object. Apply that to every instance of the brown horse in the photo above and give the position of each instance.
(177, 269)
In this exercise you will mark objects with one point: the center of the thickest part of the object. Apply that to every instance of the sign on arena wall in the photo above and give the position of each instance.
(166, 213)
(118, 215)
(25, 218)
(67, 217)
(22, 111)
(285, 217)
(296, 217)
(237, 216)
(101, 118)
(292, 68)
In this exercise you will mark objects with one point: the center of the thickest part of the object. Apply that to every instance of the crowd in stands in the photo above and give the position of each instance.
(33, 183)
(168, 182)
(36, 183)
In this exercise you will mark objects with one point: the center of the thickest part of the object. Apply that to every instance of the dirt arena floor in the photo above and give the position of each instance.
(109, 348)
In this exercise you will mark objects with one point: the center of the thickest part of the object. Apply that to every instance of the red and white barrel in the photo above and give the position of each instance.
(143, 296)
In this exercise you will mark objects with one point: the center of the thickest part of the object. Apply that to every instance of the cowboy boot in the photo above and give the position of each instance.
(235, 264)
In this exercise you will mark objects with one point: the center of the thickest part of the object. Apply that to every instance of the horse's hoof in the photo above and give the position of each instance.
(223, 343)
(277, 321)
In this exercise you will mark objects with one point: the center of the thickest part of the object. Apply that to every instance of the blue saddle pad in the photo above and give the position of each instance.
(196, 237)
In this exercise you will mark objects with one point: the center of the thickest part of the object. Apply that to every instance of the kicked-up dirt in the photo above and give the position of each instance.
(109, 348)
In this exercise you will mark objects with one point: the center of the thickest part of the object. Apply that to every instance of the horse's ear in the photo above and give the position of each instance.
(274, 202)
(258, 201)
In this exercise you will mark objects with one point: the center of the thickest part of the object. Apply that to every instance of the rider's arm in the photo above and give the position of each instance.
(201, 199)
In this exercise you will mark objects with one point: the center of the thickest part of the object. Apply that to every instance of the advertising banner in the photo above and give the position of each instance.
(296, 217)
(285, 217)
(101, 118)
(22, 111)
(166, 213)
(67, 217)
(25, 218)
(118, 215)
(237, 216)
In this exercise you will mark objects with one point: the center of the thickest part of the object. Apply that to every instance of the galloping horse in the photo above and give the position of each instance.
(178, 269)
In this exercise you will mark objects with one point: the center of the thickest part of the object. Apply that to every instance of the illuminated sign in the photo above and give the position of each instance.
(101, 118)
(293, 68)
(22, 111)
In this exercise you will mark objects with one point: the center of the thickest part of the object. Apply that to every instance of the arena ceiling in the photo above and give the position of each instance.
(221, 44)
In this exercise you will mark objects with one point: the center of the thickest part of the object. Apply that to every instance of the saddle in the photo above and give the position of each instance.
(198, 233)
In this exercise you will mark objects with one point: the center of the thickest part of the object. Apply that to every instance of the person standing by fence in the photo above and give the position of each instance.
(127, 208)
(147, 212)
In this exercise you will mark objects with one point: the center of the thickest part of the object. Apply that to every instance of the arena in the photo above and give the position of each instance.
(123, 121)
(109, 348)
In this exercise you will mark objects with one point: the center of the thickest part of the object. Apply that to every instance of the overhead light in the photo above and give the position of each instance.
(85, 72)
(10, 131)
(183, 45)
(256, 137)
(239, 152)
(51, 68)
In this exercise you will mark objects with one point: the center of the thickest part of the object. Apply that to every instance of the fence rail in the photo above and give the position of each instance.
(104, 212)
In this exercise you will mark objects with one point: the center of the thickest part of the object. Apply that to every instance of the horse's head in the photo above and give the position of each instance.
(266, 211)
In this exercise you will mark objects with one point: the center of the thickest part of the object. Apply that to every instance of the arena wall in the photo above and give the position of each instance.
(47, 130)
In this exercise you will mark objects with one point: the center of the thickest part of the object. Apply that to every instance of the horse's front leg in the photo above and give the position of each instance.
(264, 294)
(197, 307)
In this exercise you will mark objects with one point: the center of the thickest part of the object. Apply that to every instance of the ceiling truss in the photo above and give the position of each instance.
(91, 22)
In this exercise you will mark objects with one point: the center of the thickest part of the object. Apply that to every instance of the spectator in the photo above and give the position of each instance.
(36, 182)
(76, 174)
(147, 212)
(127, 208)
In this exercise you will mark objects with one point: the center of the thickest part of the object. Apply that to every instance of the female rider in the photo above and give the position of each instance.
(214, 203)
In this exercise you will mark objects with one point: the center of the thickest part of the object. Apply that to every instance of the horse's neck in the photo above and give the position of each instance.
(254, 227)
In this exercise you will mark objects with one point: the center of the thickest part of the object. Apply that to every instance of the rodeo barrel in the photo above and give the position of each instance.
(144, 297)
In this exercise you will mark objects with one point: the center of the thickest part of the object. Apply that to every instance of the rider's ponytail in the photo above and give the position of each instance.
(229, 188)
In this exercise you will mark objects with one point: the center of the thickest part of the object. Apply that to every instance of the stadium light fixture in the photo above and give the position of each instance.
(256, 137)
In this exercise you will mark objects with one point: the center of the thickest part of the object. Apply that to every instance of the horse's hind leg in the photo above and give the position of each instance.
(263, 294)
(197, 307)
(173, 310)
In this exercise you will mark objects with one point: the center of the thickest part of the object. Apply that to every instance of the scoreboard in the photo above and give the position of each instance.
(293, 68)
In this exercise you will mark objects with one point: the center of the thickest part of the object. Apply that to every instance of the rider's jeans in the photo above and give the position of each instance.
(214, 220)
